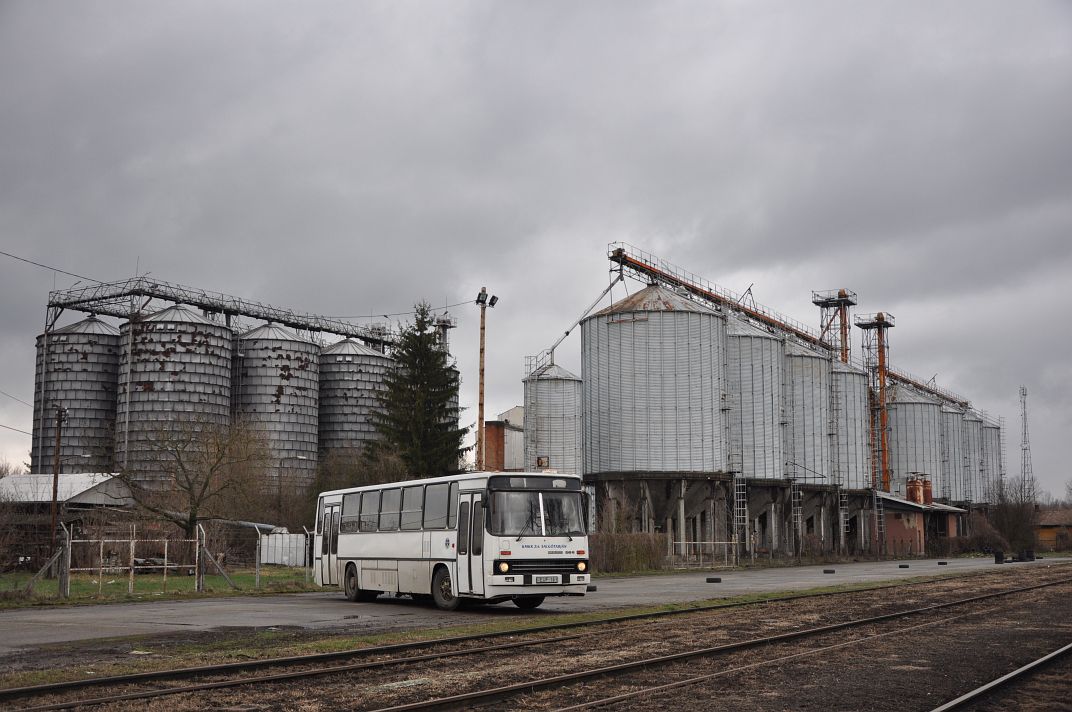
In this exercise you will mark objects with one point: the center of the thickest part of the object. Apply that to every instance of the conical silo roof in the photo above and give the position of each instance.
(795, 348)
(272, 332)
(351, 347)
(737, 326)
(179, 313)
(654, 299)
(551, 371)
(905, 394)
(89, 325)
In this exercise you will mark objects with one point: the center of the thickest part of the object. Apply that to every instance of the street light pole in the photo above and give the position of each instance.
(483, 301)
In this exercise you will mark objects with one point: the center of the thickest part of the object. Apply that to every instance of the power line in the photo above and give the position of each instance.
(15, 429)
(20, 400)
(405, 313)
(49, 267)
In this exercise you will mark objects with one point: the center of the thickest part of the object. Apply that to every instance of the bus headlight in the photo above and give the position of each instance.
(503, 567)
(582, 566)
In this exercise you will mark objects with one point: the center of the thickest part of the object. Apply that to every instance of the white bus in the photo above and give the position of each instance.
(477, 536)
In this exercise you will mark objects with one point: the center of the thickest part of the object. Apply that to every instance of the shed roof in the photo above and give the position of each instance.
(1055, 518)
(892, 501)
(72, 487)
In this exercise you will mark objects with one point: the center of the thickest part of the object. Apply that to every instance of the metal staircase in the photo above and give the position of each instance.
(796, 499)
(740, 515)
(880, 521)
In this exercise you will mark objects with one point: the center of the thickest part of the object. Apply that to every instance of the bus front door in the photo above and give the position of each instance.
(470, 544)
(329, 545)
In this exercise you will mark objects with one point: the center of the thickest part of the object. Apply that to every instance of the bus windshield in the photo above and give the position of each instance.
(520, 514)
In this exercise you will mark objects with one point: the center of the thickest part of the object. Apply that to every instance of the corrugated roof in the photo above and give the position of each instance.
(549, 372)
(792, 348)
(89, 325)
(38, 488)
(272, 332)
(896, 501)
(179, 313)
(1055, 518)
(654, 299)
(350, 347)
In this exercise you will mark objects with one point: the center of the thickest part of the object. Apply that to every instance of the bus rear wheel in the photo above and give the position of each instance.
(443, 591)
(527, 603)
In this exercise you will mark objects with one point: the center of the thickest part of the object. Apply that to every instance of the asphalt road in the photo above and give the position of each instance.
(329, 611)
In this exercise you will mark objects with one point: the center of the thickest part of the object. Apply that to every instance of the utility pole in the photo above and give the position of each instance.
(61, 413)
(483, 301)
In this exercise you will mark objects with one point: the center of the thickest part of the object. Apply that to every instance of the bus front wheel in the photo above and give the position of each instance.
(443, 590)
(350, 586)
(527, 603)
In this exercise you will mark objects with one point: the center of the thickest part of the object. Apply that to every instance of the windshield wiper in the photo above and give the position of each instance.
(528, 525)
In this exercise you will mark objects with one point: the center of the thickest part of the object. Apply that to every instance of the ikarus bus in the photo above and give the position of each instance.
(478, 536)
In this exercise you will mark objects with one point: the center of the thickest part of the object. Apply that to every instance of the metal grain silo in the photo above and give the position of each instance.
(973, 457)
(80, 375)
(991, 471)
(807, 410)
(276, 392)
(351, 379)
(174, 367)
(652, 370)
(852, 422)
(755, 368)
(914, 439)
(952, 454)
(552, 420)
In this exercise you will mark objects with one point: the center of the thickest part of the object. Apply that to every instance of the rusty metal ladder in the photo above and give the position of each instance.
(880, 521)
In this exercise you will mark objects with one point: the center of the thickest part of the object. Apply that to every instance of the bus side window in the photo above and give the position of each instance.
(320, 517)
(452, 506)
(436, 502)
(411, 508)
(351, 505)
(335, 532)
(389, 506)
(370, 511)
(463, 530)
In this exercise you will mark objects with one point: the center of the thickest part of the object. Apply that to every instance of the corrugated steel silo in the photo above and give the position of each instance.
(952, 454)
(852, 426)
(351, 379)
(755, 369)
(174, 367)
(990, 473)
(915, 438)
(807, 408)
(652, 370)
(552, 420)
(276, 392)
(973, 457)
(80, 375)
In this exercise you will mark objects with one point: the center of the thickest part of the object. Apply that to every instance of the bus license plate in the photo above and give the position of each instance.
(545, 579)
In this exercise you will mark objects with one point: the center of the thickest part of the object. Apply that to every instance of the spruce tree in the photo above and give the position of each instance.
(418, 416)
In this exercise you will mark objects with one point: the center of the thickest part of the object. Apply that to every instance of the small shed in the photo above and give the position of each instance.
(1054, 529)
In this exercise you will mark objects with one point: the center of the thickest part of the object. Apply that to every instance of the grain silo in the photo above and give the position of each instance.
(973, 457)
(915, 438)
(755, 367)
(807, 409)
(952, 454)
(552, 420)
(991, 471)
(351, 379)
(174, 373)
(80, 375)
(852, 454)
(652, 370)
(276, 392)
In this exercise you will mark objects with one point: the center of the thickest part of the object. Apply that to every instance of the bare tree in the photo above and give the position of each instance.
(7, 468)
(200, 471)
(1015, 511)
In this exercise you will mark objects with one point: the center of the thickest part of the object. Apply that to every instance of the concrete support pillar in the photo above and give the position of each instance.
(682, 536)
(822, 524)
(648, 511)
(710, 529)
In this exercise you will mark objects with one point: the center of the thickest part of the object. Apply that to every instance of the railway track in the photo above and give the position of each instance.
(26, 696)
(1004, 681)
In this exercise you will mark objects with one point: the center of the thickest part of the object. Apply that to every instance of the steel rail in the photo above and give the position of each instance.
(505, 692)
(1000, 682)
(71, 685)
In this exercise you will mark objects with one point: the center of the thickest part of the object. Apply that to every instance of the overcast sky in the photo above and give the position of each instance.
(353, 158)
